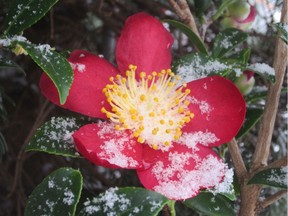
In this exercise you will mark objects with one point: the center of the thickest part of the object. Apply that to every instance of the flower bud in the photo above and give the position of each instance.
(241, 16)
(239, 10)
(245, 82)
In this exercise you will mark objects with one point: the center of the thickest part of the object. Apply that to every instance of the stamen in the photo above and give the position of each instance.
(151, 107)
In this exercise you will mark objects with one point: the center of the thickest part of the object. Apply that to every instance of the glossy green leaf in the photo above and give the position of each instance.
(24, 13)
(245, 55)
(54, 65)
(222, 8)
(194, 38)
(57, 194)
(227, 40)
(253, 115)
(282, 30)
(55, 137)
(211, 205)
(125, 202)
(277, 177)
(264, 70)
(196, 65)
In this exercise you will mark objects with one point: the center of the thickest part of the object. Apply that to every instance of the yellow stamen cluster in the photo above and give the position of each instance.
(151, 107)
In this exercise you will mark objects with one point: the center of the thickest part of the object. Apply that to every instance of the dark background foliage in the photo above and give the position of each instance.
(92, 25)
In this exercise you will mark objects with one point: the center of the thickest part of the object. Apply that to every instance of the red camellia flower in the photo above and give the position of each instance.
(151, 122)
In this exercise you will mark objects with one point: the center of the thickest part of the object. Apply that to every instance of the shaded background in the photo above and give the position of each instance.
(94, 25)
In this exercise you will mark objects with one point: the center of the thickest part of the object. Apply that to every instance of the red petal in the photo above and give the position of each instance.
(103, 145)
(144, 42)
(181, 172)
(91, 74)
(219, 110)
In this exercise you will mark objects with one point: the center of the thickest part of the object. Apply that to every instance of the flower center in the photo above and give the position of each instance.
(152, 107)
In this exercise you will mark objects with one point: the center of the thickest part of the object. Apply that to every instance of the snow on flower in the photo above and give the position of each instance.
(151, 121)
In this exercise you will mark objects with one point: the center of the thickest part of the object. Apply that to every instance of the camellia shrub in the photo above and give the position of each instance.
(169, 118)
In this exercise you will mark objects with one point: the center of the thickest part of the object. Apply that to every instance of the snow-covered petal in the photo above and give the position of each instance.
(91, 74)
(104, 146)
(144, 42)
(219, 110)
(181, 173)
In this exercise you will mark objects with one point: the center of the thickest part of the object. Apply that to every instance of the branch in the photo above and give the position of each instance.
(262, 149)
(276, 164)
(237, 159)
(272, 199)
(182, 10)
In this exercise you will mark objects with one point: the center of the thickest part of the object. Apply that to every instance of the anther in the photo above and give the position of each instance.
(140, 140)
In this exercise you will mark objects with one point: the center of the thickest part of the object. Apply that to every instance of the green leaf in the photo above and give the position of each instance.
(57, 194)
(253, 115)
(209, 204)
(124, 202)
(196, 65)
(282, 30)
(264, 70)
(194, 38)
(227, 40)
(55, 137)
(54, 65)
(245, 55)
(24, 13)
(222, 7)
(276, 177)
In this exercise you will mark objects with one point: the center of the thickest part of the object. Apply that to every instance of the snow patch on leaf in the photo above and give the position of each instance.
(198, 68)
(107, 203)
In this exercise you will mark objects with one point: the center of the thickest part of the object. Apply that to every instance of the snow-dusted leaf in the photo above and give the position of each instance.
(24, 13)
(55, 137)
(227, 40)
(124, 202)
(53, 64)
(222, 8)
(211, 205)
(194, 38)
(277, 177)
(264, 70)
(57, 194)
(196, 65)
(253, 115)
(283, 31)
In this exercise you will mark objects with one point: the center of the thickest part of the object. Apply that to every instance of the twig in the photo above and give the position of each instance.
(44, 111)
(273, 198)
(182, 10)
(237, 159)
(276, 164)
(262, 149)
